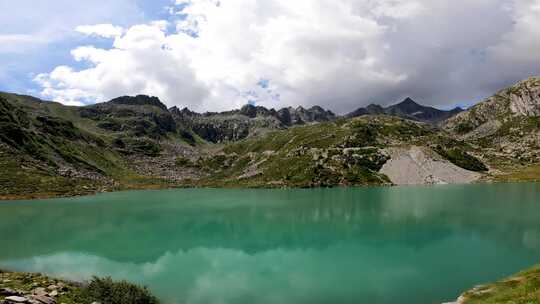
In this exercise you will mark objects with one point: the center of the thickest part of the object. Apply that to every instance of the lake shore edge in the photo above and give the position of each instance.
(522, 287)
(36, 288)
(91, 192)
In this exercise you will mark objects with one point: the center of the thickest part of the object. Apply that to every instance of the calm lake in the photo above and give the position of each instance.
(362, 245)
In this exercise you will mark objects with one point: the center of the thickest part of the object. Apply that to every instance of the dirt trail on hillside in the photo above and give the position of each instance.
(421, 166)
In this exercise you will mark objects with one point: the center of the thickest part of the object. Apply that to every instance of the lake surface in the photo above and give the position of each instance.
(362, 245)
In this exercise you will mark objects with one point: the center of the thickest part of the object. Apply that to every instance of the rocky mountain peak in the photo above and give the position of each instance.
(408, 106)
(139, 100)
(408, 109)
(184, 112)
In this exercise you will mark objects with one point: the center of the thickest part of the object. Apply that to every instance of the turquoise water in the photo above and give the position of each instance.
(361, 245)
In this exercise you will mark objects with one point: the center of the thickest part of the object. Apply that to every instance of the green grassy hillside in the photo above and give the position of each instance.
(522, 288)
(342, 152)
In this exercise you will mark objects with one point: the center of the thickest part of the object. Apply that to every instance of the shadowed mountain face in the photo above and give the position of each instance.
(408, 109)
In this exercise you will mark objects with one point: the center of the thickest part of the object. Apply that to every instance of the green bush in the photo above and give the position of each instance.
(143, 145)
(183, 162)
(462, 159)
(107, 291)
(464, 128)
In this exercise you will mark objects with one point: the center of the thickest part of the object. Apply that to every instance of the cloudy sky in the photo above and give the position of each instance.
(222, 54)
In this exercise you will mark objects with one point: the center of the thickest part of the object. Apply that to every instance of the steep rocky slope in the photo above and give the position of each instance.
(50, 149)
(505, 128)
(518, 101)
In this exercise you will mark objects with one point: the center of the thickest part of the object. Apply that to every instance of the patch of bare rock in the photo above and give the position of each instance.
(421, 166)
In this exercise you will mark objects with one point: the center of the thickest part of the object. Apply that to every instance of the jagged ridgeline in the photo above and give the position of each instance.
(248, 121)
(48, 149)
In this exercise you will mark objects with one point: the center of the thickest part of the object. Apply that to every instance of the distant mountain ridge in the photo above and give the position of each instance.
(408, 109)
(248, 121)
(286, 116)
(49, 149)
(144, 115)
(253, 120)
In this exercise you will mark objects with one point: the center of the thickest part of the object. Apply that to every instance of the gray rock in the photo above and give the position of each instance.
(16, 299)
(40, 291)
(44, 299)
(53, 293)
(9, 292)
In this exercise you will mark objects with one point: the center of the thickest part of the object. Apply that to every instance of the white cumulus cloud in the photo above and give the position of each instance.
(341, 54)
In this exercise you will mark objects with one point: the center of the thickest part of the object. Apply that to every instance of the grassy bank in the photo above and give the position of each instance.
(522, 288)
(520, 174)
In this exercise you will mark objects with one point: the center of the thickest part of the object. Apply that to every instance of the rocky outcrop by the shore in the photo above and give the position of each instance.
(30, 288)
(16, 288)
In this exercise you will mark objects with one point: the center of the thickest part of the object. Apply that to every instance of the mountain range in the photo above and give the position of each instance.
(409, 109)
(48, 149)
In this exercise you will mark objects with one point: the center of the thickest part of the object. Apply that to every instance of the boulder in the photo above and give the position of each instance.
(17, 299)
(40, 291)
(8, 292)
(44, 299)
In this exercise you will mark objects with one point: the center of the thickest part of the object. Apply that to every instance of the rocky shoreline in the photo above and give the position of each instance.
(35, 288)
(17, 288)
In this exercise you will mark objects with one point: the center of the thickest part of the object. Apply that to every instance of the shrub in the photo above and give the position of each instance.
(464, 128)
(462, 159)
(106, 291)
(183, 162)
